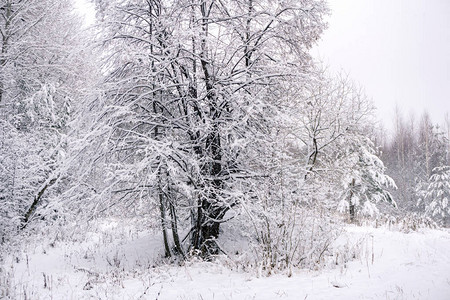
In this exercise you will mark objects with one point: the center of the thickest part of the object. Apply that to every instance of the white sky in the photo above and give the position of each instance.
(398, 50)
(86, 9)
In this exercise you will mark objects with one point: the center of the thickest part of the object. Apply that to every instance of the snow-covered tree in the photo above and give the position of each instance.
(190, 96)
(436, 194)
(333, 126)
(364, 180)
(41, 67)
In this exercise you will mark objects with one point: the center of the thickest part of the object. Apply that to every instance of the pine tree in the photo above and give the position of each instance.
(364, 179)
(436, 194)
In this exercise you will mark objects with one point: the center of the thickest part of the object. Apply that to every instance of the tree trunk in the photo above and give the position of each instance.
(162, 209)
(208, 229)
(37, 201)
(4, 51)
(210, 211)
(176, 237)
(351, 204)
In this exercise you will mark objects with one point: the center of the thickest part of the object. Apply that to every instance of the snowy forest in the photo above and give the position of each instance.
(202, 136)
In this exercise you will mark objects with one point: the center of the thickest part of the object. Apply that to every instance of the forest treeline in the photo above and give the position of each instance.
(417, 156)
(186, 115)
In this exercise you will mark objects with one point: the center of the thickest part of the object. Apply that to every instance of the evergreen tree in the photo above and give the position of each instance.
(436, 194)
(364, 180)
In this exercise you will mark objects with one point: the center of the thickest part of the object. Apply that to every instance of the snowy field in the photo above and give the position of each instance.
(388, 265)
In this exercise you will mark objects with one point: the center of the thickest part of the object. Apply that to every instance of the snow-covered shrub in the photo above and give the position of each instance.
(300, 236)
(309, 240)
(413, 222)
(404, 222)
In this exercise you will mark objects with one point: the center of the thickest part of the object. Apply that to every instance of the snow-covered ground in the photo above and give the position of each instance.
(389, 265)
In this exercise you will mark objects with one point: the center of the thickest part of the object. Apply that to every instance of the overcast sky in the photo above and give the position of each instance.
(398, 50)
(86, 8)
